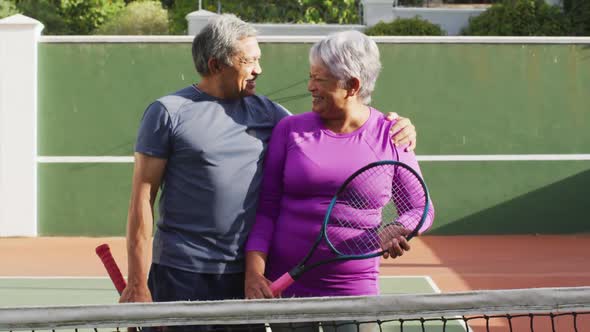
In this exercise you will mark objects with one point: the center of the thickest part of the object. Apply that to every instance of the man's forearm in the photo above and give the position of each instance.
(139, 233)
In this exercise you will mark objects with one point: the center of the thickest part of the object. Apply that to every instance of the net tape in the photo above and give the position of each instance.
(362, 308)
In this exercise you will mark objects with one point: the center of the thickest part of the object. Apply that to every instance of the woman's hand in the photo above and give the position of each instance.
(393, 240)
(257, 286)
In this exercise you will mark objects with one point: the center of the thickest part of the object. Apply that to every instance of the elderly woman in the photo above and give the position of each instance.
(309, 156)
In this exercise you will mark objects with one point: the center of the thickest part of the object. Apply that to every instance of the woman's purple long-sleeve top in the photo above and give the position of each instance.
(304, 166)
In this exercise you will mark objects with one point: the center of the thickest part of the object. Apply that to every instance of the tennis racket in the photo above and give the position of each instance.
(104, 253)
(371, 207)
(106, 257)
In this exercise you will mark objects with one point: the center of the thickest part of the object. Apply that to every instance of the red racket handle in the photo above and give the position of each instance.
(279, 285)
(104, 253)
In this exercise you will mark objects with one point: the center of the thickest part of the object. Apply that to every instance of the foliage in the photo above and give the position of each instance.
(177, 11)
(503, 18)
(138, 18)
(519, 18)
(411, 3)
(45, 11)
(70, 17)
(406, 27)
(428, 3)
(289, 11)
(470, 1)
(578, 12)
(7, 8)
(84, 16)
(271, 11)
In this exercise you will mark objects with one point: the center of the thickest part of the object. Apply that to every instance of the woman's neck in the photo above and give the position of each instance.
(352, 119)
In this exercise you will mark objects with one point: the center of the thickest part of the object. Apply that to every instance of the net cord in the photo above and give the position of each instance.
(361, 308)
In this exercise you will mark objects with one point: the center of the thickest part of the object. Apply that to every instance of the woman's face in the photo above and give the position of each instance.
(328, 99)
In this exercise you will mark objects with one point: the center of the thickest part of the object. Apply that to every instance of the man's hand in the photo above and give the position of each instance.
(403, 131)
(136, 294)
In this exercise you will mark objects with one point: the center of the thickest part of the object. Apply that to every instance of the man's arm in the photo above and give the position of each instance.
(147, 177)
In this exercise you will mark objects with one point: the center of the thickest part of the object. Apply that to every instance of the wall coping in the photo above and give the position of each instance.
(312, 39)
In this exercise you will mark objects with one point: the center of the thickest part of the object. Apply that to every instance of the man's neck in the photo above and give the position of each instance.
(214, 88)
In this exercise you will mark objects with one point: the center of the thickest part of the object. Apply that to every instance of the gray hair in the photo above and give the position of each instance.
(218, 40)
(349, 54)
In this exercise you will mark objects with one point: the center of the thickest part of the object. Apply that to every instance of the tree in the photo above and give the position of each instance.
(82, 17)
(271, 11)
(578, 12)
(7, 8)
(70, 17)
(415, 26)
(138, 18)
(519, 18)
(177, 11)
(46, 12)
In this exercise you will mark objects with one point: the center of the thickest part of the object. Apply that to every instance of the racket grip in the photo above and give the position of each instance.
(104, 253)
(279, 285)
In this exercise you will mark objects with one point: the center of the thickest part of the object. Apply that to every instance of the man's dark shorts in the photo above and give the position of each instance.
(169, 284)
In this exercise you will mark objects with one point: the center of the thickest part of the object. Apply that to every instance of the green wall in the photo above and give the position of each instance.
(464, 99)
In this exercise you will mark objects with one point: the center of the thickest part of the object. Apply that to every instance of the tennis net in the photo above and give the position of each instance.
(536, 309)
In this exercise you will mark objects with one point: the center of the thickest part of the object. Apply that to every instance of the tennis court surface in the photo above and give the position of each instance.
(80, 292)
(534, 283)
(407, 303)
(48, 291)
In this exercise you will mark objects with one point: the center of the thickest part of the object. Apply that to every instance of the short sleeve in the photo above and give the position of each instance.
(154, 134)
(280, 112)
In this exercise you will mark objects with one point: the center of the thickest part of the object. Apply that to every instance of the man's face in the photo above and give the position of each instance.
(239, 79)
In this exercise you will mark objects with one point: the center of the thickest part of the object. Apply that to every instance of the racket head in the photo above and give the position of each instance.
(370, 204)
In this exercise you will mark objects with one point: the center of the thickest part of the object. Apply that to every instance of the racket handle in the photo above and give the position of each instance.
(104, 253)
(279, 285)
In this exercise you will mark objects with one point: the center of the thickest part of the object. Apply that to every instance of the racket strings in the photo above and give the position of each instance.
(405, 194)
(358, 215)
(361, 220)
(358, 212)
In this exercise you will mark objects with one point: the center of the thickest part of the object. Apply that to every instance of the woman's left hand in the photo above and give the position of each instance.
(393, 240)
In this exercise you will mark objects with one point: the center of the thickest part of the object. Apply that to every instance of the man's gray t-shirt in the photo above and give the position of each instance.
(214, 150)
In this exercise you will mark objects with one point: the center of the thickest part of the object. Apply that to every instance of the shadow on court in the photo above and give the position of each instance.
(564, 203)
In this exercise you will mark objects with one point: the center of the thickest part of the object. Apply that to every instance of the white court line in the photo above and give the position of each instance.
(425, 277)
(432, 284)
(434, 287)
(504, 157)
(84, 159)
(428, 279)
(50, 277)
(438, 291)
(482, 157)
(527, 275)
